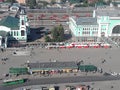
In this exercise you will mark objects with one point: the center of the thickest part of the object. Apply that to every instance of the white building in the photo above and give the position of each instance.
(14, 30)
(104, 23)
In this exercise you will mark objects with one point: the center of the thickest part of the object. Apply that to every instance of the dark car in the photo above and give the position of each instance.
(106, 74)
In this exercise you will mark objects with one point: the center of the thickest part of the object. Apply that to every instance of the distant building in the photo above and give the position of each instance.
(21, 1)
(104, 23)
(14, 30)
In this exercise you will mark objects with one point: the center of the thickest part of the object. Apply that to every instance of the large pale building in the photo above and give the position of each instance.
(104, 23)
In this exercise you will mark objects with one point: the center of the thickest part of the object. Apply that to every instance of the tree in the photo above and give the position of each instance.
(63, 1)
(85, 3)
(42, 4)
(58, 33)
(31, 3)
(47, 39)
(54, 33)
(53, 2)
(61, 32)
(11, 1)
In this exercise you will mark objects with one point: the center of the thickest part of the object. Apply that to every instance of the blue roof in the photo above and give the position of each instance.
(86, 21)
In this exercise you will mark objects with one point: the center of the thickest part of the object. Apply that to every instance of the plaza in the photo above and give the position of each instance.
(89, 56)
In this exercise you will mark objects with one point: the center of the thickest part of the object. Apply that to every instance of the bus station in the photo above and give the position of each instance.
(52, 67)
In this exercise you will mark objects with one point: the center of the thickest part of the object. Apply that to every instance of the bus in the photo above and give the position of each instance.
(13, 81)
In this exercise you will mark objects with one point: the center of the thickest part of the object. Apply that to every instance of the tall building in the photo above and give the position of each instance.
(104, 23)
(14, 30)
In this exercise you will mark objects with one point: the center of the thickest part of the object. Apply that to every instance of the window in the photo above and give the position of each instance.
(22, 22)
(17, 33)
(22, 33)
(14, 33)
(11, 33)
(85, 32)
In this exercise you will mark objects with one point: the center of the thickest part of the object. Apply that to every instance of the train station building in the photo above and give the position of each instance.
(104, 23)
(14, 30)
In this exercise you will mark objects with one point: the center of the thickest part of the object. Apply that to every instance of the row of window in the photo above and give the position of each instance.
(16, 33)
(90, 28)
(88, 32)
(85, 32)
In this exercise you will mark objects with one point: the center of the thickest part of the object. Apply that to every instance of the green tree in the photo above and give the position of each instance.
(42, 4)
(11, 1)
(31, 3)
(85, 3)
(54, 32)
(63, 1)
(47, 39)
(52, 2)
(61, 32)
(58, 34)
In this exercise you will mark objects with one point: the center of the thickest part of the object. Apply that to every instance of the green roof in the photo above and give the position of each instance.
(87, 68)
(22, 70)
(10, 22)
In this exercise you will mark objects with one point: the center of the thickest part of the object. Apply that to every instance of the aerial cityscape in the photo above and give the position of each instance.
(59, 44)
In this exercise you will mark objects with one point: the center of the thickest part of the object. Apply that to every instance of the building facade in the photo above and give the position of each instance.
(104, 23)
(14, 30)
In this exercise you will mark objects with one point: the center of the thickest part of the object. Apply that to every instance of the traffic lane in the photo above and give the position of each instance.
(75, 79)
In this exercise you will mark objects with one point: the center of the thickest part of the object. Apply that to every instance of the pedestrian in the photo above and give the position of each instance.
(2, 49)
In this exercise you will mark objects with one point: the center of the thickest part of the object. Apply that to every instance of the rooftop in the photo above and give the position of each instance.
(52, 65)
(111, 13)
(10, 22)
(85, 21)
(108, 11)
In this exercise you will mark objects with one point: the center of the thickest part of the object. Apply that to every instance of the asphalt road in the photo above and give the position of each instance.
(75, 79)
